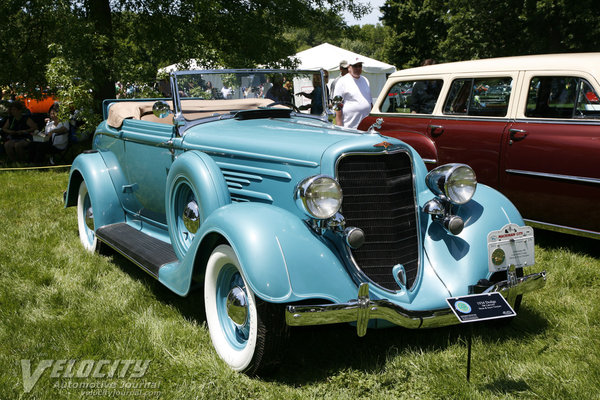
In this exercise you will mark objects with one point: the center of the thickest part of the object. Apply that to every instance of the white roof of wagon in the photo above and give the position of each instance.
(589, 62)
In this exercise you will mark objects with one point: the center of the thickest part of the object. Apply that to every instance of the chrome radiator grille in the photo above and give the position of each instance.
(379, 198)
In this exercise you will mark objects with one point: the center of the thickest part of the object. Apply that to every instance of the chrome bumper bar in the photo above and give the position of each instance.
(363, 309)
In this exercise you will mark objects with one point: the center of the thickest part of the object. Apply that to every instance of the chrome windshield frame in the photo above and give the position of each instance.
(182, 124)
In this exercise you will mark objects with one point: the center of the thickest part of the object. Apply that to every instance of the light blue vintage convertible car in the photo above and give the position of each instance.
(239, 182)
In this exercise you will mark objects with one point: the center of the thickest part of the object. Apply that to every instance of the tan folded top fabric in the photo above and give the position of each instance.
(192, 109)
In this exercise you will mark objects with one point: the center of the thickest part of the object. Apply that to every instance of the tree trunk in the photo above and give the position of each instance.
(99, 14)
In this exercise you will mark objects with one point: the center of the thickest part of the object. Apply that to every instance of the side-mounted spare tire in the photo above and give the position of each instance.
(195, 188)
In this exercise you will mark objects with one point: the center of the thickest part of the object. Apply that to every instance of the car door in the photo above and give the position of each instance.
(472, 123)
(148, 151)
(551, 169)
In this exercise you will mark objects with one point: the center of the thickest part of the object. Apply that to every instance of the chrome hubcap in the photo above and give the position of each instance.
(89, 218)
(237, 306)
(191, 216)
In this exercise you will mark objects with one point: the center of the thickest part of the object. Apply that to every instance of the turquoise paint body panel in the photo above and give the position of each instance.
(146, 141)
(199, 173)
(290, 141)
(92, 168)
(282, 259)
(462, 260)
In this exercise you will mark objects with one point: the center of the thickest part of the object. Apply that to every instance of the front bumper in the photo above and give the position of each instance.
(364, 309)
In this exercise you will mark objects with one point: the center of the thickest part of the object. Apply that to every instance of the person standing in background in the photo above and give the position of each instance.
(355, 93)
(343, 71)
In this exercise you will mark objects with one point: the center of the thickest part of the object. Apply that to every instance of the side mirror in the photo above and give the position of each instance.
(161, 109)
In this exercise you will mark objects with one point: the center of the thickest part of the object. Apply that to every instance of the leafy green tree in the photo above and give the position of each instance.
(452, 30)
(24, 30)
(552, 26)
(416, 28)
(100, 42)
(368, 40)
(322, 27)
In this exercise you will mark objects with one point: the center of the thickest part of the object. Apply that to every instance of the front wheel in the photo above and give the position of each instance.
(85, 220)
(245, 331)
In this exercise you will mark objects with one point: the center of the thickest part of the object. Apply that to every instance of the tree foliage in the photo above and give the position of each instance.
(100, 42)
(451, 30)
(83, 47)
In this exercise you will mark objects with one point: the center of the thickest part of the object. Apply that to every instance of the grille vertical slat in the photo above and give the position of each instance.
(379, 199)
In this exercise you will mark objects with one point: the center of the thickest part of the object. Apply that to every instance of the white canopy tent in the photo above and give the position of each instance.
(328, 57)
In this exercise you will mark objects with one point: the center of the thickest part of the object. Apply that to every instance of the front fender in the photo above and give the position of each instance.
(91, 168)
(281, 258)
(462, 260)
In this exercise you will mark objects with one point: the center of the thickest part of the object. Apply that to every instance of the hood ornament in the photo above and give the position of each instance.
(385, 145)
(376, 125)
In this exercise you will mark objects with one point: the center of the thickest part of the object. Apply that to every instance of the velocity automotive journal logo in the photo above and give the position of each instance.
(74, 371)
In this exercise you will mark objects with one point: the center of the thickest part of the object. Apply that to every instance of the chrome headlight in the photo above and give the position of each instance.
(319, 196)
(455, 182)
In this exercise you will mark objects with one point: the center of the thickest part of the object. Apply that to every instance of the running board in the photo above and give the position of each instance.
(144, 250)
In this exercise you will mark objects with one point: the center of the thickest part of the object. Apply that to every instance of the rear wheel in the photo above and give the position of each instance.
(85, 220)
(245, 331)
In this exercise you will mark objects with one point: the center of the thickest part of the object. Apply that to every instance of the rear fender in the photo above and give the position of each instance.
(281, 258)
(91, 168)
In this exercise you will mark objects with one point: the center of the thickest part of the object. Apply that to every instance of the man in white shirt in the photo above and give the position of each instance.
(355, 92)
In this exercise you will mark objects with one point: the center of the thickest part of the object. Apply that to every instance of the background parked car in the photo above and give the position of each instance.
(529, 127)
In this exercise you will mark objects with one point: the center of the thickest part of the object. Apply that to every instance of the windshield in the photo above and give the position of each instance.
(204, 94)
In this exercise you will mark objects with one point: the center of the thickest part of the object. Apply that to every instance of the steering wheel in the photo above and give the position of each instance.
(284, 103)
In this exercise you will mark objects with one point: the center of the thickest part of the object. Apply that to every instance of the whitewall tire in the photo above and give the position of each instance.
(85, 220)
(245, 331)
(235, 343)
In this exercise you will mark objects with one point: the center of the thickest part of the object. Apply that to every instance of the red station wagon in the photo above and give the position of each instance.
(529, 126)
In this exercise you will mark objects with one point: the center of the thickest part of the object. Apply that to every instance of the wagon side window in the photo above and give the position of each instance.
(562, 97)
(417, 97)
(588, 102)
(486, 97)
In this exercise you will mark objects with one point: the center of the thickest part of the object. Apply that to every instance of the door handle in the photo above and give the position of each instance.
(436, 130)
(516, 135)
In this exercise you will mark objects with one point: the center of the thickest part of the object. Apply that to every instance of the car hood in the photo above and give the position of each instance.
(301, 139)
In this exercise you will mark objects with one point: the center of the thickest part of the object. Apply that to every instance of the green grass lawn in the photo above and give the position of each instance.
(58, 302)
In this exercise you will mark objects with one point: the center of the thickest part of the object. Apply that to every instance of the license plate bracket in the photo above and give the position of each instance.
(511, 245)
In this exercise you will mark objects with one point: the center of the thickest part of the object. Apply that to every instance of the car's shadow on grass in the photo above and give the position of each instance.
(575, 244)
(190, 306)
(322, 351)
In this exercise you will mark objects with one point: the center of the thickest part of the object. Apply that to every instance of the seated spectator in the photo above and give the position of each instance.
(277, 92)
(18, 129)
(57, 137)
